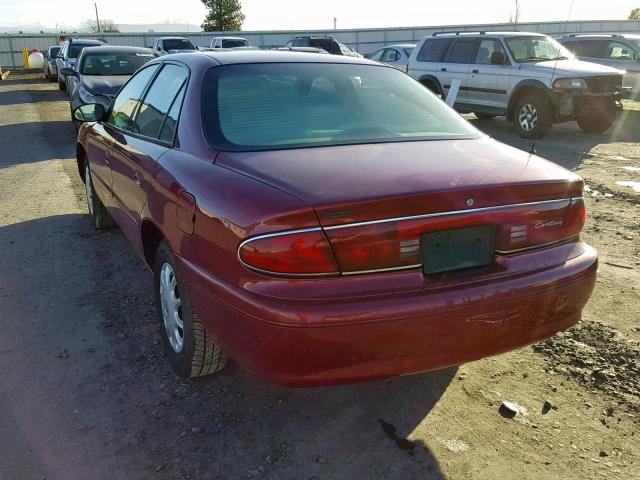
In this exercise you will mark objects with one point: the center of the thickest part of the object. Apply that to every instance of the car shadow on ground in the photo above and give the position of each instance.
(565, 144)
(133, 413)
(22, 149)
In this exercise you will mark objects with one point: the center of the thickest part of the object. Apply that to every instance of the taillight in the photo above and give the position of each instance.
(305, 252)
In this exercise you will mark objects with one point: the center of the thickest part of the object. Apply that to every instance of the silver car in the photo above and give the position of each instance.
(395, 55)
(528, 77)
(615, 50)
(67, 56)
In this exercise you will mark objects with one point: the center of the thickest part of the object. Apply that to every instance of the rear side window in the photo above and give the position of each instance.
(462, 51)
(125, 103)
(586, 48)
(390, 55)
(160, 98)
(620, 51)
(432, 50)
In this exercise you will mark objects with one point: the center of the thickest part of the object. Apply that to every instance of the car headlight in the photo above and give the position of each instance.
(569, 84)
(86, 96)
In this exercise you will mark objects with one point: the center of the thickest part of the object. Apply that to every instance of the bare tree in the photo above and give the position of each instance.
(106, 26)
(515, 16)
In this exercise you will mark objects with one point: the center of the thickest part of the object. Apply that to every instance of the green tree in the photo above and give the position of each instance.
(224, 15)
(635, 14)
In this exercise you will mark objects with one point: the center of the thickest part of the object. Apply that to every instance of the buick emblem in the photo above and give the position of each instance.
(469, 202)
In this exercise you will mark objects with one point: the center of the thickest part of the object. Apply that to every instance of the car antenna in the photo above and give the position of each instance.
(532, 149)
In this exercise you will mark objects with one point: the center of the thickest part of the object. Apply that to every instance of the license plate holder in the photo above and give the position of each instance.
(456, 249)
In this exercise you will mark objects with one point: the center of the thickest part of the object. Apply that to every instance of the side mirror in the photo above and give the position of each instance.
(68, 72)
(497, 58)
(90, 112)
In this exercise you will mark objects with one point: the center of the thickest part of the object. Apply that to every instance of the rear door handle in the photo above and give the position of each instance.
(475, 71)
(106, 159)
(443, 69)
(137, 180)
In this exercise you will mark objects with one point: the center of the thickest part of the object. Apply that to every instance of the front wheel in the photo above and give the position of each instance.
(101, 218)
(597, 123)
(191, 350)
(533, 116)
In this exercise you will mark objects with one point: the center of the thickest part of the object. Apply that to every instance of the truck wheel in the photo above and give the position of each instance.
(191, 350)
(533, 116)
(101, 218)
(597, 123)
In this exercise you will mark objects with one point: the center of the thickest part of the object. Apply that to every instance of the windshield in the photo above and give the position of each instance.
(178, 44)
(113, 63)
(234, 43)
(532, 49)
(271, 106)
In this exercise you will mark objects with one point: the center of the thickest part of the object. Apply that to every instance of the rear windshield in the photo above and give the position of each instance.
(178, 44)
(288, 105)
(327, 44)
(113, 63)
(234, 43)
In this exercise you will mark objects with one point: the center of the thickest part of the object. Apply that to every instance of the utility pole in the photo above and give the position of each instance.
(335, 23)
(97, 19)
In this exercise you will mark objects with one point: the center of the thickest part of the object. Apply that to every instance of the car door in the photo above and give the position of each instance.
(488, 84)
(60, 58)
(136, 149)
(377, 55)
(428, 61)
(458, 64)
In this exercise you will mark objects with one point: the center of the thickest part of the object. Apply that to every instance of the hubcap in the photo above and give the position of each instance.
(528, 117)
(87, 187)
(171, 307)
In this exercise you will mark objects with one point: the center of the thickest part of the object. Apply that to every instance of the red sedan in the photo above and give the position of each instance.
(325, 220)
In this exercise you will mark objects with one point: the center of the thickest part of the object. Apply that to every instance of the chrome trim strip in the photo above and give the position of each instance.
(453, 212)
(278, 274)
(390, 269)
(532, 247)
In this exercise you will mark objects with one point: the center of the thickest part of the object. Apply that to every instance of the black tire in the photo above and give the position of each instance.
(541, 110)
(597, 123)
(199, 354)
(61, 85)
(100, 217)
(484, 116)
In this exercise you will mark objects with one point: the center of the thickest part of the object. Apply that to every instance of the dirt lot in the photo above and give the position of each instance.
(86, 393)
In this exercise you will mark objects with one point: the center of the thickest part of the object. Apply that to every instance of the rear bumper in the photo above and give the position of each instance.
(320, 343)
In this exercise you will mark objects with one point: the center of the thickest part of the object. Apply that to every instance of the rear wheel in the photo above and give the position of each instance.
(190, 348)
(61, 85)
(101, 218)
(533, 116)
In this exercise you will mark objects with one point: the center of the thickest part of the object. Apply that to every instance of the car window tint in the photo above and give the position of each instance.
(486, 49)
(377, 55)
(620, 51)
(390, 55)
(462, 51)
(259, 107)
(159, 99)
(586, 48)
(432, 50)
(168, 129)
(126, 101)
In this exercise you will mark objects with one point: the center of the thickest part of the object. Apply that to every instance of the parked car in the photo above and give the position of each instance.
(101, 72)
(528, 77)
(328, 44)
(68, 54)
(229, 42)
(325, 220)
(348, 51)
(395, 55)
(620, 51)
(167, 45)
(49, 70)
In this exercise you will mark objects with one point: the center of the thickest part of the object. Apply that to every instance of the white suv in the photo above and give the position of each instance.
(528, 77)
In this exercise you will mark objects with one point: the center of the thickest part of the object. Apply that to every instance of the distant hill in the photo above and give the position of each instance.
(124, 28)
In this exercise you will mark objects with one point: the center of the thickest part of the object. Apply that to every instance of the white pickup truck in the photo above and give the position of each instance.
(229, 42)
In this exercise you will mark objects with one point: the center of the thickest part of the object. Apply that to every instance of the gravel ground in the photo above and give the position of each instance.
(86, 392)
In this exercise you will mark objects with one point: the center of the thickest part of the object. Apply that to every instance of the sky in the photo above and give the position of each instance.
(304, 14)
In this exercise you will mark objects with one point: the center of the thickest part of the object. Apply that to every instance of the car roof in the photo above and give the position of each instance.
(232, 57)
(401, 45)
(116, 49)
(578, 36)
(462, 34)
(172, 38)
(231, 38)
